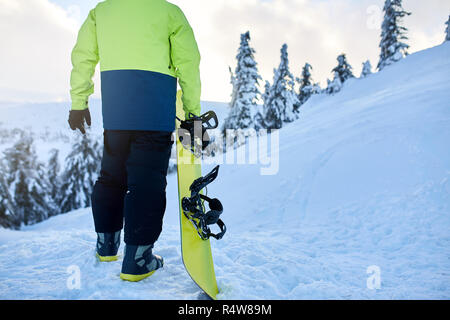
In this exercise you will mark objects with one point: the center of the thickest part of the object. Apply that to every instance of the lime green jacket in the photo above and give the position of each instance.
(143, 47)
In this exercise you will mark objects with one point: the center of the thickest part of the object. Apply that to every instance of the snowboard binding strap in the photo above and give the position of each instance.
(194, 135)
(194, 208)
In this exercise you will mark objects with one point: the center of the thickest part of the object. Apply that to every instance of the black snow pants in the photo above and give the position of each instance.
(132, 185)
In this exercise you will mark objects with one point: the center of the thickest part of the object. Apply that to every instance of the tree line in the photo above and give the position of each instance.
(32, 191)
(281, 101)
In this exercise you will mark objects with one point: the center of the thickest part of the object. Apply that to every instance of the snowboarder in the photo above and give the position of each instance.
(142, 47)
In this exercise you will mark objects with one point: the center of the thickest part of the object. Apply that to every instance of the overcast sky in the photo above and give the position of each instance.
(37, 37)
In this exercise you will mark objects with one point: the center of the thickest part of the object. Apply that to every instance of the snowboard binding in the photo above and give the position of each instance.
(194, 208)
(194, 135)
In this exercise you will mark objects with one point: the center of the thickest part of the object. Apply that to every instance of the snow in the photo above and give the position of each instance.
(245, 91)
(363, 181)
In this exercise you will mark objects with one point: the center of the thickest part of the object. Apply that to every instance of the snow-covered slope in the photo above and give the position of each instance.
(364, 180)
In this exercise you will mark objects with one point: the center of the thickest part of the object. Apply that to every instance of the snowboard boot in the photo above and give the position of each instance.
(107, 246)
(139, 263)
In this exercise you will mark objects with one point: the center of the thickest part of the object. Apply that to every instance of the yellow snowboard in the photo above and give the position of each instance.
(196, 253)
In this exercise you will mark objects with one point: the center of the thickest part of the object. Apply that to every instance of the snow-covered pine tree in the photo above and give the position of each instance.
(447, 30)
(281, 103)
(245, 82)
(230, 120)
(28, 199)
(392, 46)
(272, 111)
(53, 169)
(306, 84)
(266, 94)
(335, 85)
(316, 89)
(234, 86)
(343, 70)
(80, 173)
(367, 69)
(259, 117)
(6, 210)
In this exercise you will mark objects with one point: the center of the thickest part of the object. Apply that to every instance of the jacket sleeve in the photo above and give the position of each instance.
(185, 58)
(84, 60)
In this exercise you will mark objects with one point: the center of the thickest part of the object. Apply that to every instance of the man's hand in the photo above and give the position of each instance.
(77, 119)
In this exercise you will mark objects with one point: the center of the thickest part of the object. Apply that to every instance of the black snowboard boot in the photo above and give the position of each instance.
(139, 263)
(107, 246)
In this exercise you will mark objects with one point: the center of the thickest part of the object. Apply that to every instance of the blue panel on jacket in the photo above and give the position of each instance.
(138, 100)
